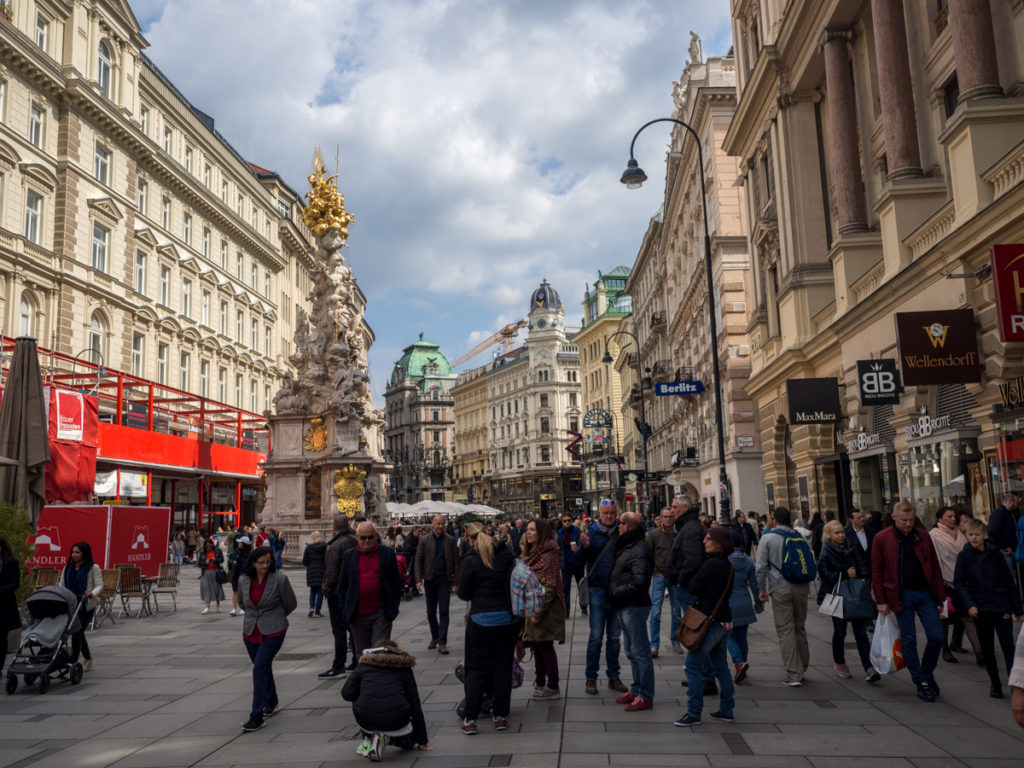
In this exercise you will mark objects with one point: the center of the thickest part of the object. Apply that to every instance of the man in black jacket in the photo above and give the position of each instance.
(437, 572)
(628, 593)
(412, 543)
(369, 589)
(1002, 529)
(342, 541)
(860, 536)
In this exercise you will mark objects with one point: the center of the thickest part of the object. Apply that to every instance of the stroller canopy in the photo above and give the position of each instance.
(50, 602)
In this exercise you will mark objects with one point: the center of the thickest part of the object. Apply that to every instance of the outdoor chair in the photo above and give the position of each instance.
(105, 610)
(46, 577)
(130, 586)
(167, 584)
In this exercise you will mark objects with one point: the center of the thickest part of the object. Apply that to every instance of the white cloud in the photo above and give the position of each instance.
(480, 142)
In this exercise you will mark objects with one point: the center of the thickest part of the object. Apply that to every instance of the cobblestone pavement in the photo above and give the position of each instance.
(173, 689)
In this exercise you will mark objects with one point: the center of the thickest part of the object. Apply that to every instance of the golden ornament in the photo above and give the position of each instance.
(348, 487)
(326, 209)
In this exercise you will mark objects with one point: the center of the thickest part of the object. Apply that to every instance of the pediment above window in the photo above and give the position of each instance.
(39, 174)
(106, 208)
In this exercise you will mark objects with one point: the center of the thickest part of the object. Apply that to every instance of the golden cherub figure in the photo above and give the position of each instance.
(326, 208)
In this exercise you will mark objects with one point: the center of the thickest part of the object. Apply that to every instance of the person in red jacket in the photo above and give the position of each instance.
(907, 579)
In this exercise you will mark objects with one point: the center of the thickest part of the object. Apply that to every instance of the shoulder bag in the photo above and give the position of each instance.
(695, 624)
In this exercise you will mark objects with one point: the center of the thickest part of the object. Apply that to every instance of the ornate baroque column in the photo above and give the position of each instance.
(902, 154)
(842, 123)
(974, 49)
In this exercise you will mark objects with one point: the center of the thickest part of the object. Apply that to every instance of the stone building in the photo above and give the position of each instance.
(419, 413)
(131, 231)
(604, 306)
(534, 399)
(880, 158)
(472, 430)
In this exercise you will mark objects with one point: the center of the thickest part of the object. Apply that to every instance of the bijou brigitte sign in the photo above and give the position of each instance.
(938, 347)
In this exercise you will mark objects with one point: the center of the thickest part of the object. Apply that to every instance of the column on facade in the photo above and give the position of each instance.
(893, 63)
(843, 141)
(974, 49)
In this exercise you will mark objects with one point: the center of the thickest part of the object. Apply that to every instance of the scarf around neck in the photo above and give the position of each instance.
(544, 563)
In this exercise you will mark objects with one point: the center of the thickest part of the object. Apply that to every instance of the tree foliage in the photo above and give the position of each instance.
(16, 526)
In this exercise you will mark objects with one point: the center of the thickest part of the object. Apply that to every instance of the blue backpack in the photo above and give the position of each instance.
(797, 559)
(1018, 555)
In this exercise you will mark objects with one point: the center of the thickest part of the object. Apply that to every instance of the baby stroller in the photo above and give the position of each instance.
(45, 649)
(487, 702)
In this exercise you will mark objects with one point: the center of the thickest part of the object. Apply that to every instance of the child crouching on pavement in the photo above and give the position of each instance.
(385, 701)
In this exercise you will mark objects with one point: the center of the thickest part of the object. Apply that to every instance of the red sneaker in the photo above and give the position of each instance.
(639, 704)
(626, 698)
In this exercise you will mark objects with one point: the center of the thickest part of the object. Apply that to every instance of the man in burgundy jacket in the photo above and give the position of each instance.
(907, 580)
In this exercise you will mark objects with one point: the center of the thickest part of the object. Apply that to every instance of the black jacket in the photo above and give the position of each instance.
(383, 693)
(390, 583)
(983, 581)
(854, 542)
(835, 561)
(487, 589)
(708, 584)
(10, 580)
(629, 577)
(314, 558)
(336, 547)
(688, 549)
(1002, 528)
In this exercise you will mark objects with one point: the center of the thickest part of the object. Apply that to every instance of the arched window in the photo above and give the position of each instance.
(103, 69)
(27, 316)
(97, 333)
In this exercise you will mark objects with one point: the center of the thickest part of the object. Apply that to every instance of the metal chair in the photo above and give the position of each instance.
(105, 610)
(167, 584)
(129, 586)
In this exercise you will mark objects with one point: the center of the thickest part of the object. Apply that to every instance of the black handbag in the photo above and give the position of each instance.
(222, 576)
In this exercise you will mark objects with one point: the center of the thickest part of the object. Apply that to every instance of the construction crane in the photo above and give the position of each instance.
(503, 336)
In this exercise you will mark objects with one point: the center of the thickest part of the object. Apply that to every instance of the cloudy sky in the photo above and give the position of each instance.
(480, 141)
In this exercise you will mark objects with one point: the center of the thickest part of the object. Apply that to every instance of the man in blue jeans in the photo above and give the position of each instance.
(596, 544)
(907, 579)
(627, 592)
(659, 542)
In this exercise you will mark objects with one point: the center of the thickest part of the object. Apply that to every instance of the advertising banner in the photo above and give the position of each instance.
(1008, 276)
(59, 528)
(879, 382)
(139, 535)
(813, 401)
(938, 347)
(73, 426)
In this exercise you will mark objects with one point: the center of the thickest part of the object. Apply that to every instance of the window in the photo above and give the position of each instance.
(253, 389)
(239, 326)
(165, 213)
(103, 70)
(545, 425)
(572, 400)
(186, 298)
(574, 424)
(186, 229)
(161, 364)
(144, 119)
(266, 340)
(224, 254)
(142, 196)
(435, 416)
(35, 125)
(204, 378)
(165, 285)
(545, 453)
(238, 390)
(100, 241)
(33, 210)
(206, 242)
(254, 216)
(543, 401)
(266, 396)
(222, 384)
(167, 140)
(224, 191)
(266, 285)
(188, 159)
(255, 276)
(238, 266)
(204, 318)
(101, 167)
(140, 272)
(224, 318)
(206, 175)
(138, 349)
(97, 333)
(255, 334)
(282, 208)
(241, 202)
(183, 371)
(42, 31)
(27, 316)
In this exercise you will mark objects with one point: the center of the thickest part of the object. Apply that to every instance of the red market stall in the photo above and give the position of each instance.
(136, 535)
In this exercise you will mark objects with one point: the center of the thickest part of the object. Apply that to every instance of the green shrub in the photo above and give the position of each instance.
(16, 526)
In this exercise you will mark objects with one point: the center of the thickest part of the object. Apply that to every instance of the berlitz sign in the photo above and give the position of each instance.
(813, 401)
(1008, 276)
(879, 382)
(938, 347)
(679, 388)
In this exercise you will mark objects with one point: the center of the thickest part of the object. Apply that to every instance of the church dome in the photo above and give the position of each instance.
(545, 297)
(420, 359)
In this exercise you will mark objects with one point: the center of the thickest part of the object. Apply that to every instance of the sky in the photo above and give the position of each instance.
(480, 142)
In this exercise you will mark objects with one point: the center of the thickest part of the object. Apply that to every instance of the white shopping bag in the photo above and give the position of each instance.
(886, 648)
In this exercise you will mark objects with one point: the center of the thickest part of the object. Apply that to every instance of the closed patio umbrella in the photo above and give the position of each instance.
(23, 432)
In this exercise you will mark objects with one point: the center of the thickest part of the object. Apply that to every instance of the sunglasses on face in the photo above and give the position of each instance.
(606, 502)
(367, 538)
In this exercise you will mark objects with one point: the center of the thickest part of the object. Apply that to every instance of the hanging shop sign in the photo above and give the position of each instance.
(926, 426)
(1012, 392)
(813, 401)
(879, 382)
(862, 441)
(1008, 276)
(938, 347)
(597, 418)
(679, 388)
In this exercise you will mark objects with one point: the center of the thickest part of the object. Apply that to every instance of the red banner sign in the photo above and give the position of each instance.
(74, 432)
(139, 535)
(1008, 275)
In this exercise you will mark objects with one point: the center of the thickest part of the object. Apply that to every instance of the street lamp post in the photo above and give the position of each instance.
(634, 177)
(643, 415)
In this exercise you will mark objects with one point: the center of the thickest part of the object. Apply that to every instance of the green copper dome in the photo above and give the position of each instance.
(421, 359)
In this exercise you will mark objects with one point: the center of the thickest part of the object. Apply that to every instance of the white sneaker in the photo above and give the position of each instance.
(241, 612)
(234, 612)
(205, 611)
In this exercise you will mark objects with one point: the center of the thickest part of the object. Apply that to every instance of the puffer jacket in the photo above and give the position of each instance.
(687, 550)
(486, 589)
(744, 584)
(383, 693)
(834, 562)
(984, 582)
(314, 558)
(629, 576)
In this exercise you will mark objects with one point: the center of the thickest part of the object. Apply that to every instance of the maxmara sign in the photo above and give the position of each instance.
(813, 401)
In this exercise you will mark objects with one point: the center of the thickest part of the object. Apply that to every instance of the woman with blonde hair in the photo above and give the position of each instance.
(543, 628)
(491, 628)
(839, 560)
(314, 558)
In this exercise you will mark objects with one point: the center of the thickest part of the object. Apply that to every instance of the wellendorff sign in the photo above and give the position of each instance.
(938, 347)
(813, 401)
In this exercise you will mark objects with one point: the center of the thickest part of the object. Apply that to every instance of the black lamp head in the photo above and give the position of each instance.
(607, 358)
(633, 177)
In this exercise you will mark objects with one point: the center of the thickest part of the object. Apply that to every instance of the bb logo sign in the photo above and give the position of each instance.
(879, 382)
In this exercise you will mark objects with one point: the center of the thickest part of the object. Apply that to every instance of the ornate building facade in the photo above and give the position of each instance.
(419, 412)
(472, 441)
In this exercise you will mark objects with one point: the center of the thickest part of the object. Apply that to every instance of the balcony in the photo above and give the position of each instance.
(662, 370)
(658, 319)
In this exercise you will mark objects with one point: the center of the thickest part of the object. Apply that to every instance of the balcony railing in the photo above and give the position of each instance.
(658, 319)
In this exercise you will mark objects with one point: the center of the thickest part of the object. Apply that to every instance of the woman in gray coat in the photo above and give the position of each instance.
(267, 598)
(745, 603)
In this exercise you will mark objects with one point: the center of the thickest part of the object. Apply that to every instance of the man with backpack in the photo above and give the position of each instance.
(785, 569)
